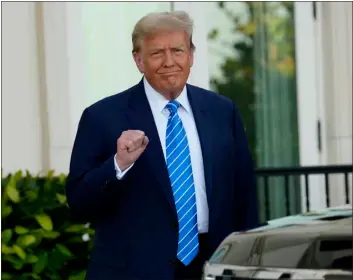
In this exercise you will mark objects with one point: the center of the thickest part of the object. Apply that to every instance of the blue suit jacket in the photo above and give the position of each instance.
(136, 222)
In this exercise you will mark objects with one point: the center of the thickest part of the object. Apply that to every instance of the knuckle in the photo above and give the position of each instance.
(122, 141)
(131, 137)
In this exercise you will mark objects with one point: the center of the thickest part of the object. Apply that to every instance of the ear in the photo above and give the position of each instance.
(139, 61)
(191, 57)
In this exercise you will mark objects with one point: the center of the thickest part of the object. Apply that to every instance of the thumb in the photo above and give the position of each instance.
(145, 142)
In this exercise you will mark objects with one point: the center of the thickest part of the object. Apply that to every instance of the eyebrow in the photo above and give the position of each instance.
(155, 49)
(179, 47)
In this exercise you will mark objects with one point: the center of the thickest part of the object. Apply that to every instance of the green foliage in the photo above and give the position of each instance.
(39, 238)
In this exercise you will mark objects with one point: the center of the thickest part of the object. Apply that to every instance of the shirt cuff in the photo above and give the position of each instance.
(120, 174)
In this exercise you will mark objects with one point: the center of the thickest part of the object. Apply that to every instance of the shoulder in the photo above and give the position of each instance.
(213, 99)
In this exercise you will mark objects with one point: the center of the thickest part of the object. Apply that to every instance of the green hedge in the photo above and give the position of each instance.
(39, 238)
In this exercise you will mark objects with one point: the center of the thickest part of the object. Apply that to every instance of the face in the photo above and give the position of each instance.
(165, 60)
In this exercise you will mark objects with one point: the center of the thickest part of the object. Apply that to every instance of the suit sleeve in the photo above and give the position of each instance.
(92, 185)
(246, 190)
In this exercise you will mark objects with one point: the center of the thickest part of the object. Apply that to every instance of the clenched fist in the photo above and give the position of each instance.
(130, 146)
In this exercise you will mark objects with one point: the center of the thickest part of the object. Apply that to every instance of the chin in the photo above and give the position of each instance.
(175, 87)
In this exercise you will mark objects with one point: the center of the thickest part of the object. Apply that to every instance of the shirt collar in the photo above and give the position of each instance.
(159, 101)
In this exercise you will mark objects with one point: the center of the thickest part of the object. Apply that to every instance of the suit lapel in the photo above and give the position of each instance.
(200, 109)
(140, 117)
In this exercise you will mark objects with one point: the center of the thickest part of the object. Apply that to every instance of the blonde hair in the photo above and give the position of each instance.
(158, 22)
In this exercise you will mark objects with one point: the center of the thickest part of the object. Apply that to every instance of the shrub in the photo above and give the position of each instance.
(39, 238)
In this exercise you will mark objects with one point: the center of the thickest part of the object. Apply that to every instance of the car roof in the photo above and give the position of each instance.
(328, 221)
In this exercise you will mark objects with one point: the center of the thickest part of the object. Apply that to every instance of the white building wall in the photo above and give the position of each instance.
(21, 123)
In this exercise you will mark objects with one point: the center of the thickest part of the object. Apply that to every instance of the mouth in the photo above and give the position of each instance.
(170, 73)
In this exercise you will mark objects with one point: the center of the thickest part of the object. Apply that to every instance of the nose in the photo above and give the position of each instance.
(168, 59)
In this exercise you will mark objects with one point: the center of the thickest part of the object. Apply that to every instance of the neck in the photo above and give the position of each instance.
(170, 95)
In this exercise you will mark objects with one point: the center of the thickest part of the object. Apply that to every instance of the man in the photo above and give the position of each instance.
(163, 168)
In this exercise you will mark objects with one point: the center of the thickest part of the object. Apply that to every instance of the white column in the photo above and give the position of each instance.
(334, 24)
(21, 124)
(64, 66)
(335, 21)
(199, 73)
(307, 98)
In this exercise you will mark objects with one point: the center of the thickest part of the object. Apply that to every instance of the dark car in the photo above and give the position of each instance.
(314, 245)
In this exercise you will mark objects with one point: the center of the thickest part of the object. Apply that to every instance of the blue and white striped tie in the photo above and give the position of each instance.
(182, 181)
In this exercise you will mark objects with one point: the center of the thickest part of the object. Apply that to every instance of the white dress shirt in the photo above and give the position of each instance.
(157, 103)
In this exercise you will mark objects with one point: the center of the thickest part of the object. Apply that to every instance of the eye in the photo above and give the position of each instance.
(156, 53)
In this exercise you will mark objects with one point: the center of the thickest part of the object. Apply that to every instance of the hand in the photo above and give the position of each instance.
(130, 146)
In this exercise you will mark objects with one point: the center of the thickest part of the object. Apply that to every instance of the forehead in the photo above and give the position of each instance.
(165, 39)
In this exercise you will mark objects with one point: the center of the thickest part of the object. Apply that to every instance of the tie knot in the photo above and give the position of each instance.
(173, 106)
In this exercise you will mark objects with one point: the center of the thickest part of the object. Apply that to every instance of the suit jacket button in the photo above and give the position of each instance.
(172, 261)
